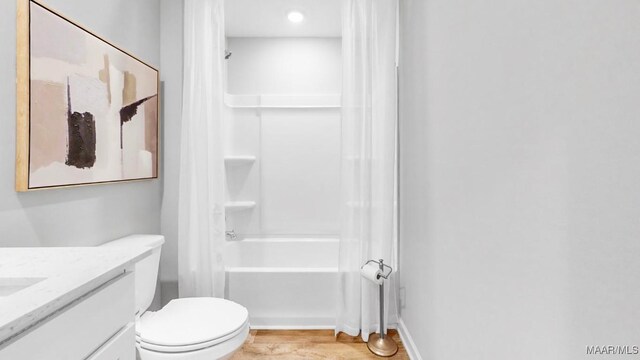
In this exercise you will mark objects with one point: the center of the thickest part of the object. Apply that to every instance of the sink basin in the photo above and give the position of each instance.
(9, 286)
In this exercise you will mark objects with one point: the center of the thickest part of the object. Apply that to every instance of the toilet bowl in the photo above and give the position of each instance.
(192, 328)
(189, 328)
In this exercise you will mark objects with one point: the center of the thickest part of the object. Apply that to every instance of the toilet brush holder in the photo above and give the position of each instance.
(380, 344)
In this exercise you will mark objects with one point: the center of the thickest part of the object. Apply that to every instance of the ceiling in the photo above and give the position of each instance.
(268, 18)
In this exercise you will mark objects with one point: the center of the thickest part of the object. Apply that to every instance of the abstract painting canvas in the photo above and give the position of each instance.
(87, 110)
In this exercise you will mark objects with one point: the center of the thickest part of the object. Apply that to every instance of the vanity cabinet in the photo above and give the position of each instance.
(96, 326)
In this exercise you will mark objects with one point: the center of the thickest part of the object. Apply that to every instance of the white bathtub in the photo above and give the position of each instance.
(284, 283)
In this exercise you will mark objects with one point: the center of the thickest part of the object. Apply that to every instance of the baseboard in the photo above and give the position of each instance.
(292, 327)
(407, 341)
(291, 323)
(305, 327)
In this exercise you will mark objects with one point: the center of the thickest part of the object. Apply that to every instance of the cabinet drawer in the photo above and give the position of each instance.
(77, 330)
(120, 347)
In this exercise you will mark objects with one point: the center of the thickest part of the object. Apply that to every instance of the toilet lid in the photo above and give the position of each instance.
(191, 321)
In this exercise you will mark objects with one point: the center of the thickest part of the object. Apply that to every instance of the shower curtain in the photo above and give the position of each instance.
(368, 190)
(201, 218)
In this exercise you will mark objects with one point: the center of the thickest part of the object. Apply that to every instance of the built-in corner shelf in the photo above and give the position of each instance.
(239, 160)
(235, 206)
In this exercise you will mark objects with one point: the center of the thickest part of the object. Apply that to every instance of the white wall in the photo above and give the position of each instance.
(171, 64)
(520, 196)
(296, 178)
(284, 66)
(87, 215)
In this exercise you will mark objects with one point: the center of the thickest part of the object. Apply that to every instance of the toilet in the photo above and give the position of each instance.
(189, 328)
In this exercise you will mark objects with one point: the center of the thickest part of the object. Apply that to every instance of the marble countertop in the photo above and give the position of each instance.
(36, 282)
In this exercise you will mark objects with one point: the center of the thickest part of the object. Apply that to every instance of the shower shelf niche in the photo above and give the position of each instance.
(235, 206)
(239, 160)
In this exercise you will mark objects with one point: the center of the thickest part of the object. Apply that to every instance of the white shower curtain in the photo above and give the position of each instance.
(369, 119)
(202, 174)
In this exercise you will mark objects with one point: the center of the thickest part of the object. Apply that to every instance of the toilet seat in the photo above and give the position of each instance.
(191, 324)
(193, 347)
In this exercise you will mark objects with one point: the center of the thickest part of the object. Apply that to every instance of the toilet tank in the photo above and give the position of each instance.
(146, 270)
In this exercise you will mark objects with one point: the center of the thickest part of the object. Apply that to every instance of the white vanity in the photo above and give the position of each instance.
(68, 303)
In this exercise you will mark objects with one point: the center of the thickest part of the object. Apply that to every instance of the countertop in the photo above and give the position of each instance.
(59, 276)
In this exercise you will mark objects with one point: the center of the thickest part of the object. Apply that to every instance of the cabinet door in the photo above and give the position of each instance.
(77, 330)
(120, 347)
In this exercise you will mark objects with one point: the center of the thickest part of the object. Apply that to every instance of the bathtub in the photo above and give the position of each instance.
(284, 283)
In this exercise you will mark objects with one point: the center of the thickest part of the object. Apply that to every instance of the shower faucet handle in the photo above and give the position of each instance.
(231, 234)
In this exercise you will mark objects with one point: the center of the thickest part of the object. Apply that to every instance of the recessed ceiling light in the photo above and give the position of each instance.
(295, 16)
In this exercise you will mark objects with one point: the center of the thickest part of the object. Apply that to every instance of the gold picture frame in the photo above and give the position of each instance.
(95, 106)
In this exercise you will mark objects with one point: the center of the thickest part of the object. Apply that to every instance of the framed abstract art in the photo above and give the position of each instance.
(87, 111)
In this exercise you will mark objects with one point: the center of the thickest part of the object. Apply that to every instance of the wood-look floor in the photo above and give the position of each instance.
(309, 345)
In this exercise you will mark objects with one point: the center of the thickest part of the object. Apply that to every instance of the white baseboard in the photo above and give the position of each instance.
(292, 327)
(291, 323)
(407, 341)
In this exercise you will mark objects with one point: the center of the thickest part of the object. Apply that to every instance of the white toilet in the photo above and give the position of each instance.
(189, 328)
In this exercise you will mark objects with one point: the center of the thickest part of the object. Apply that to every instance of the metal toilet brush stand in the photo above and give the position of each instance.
(381, 344)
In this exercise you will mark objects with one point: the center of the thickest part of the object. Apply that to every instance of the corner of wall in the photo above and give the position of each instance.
(407, 341)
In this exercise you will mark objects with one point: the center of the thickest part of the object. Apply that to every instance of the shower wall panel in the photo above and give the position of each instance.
(300, 171)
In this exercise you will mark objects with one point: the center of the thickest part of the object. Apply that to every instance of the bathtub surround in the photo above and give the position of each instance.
(519, 175)
(201, 215)
(368, 189)
(86, 215)
(284, 99)
(252, 54)
(286, 283)
(283, 158)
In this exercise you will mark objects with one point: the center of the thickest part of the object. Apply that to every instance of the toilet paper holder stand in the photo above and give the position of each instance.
(382, 265)
(380, 344)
